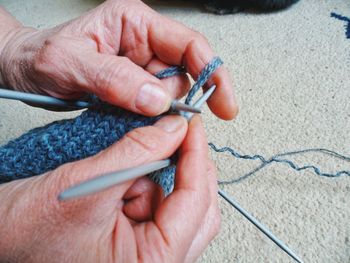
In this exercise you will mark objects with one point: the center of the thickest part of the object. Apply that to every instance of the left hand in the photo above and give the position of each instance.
(130, 222)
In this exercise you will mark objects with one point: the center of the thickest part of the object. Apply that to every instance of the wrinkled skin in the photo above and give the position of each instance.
(111, 52)
(131, 222)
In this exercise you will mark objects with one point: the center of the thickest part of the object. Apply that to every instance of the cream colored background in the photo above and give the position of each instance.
(291, 72)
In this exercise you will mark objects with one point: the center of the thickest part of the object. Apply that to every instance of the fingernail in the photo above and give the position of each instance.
(170, 123)
(152, 100)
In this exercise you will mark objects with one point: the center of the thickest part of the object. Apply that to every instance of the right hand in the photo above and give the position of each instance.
(112, 51)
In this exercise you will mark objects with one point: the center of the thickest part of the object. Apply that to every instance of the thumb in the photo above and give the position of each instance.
(140, 146)
(119, 81)
(97, 213)
(114, 79)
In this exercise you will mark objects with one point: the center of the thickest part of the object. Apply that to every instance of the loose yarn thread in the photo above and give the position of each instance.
(45, 148)
(277, 159)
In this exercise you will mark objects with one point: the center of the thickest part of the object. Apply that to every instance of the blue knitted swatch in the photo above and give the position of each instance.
(46, 148)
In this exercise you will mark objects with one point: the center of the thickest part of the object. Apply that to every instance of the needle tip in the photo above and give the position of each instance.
(61, 197)
(178, 106)
(67, 195)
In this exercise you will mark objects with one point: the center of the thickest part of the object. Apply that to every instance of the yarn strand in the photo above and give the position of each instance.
(276, 159)
(45, 148)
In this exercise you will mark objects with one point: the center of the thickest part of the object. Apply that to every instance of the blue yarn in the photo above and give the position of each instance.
(277, 159)
(203, 77)
(43, 149)
(169, 72)
(46, 148)
(346, 19)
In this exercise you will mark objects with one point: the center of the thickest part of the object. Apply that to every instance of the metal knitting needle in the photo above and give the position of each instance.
(179, 106)
(42, 99)
(261, 227)
(106, 181)
(240, 209)
(199, 103)
(72, 104)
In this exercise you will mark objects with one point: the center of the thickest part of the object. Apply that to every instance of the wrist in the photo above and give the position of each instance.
(8, 24)
(14, 56)
(12, 35)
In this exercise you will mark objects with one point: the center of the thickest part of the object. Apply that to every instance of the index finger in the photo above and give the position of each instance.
(176, 44)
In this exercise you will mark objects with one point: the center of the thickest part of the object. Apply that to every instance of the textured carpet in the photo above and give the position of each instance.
(291, 70)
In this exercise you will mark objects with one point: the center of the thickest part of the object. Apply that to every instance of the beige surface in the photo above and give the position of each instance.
(291, 72)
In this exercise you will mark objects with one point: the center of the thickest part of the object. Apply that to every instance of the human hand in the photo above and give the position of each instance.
(113, 51)
(131, 222)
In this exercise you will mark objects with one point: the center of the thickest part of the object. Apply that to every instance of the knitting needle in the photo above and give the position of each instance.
(98, 184)
(103, 182)
(240, 209)
(71, 104)
(199, 102)
(42, 99)
(261, 227)
(179, 106)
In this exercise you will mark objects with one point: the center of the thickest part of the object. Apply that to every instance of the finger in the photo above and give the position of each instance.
(189, 201)
(142, 199)
(114, 79)
(140, 146)
(177, 85)
(175, 44)
(210, 225)
(170, 41)
(119, 81)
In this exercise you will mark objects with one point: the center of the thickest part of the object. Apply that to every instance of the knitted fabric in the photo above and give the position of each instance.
(46, 148)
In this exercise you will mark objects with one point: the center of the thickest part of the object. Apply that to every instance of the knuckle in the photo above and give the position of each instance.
(144, 142)
(106, 75)
(49, 54)
(199, 37)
